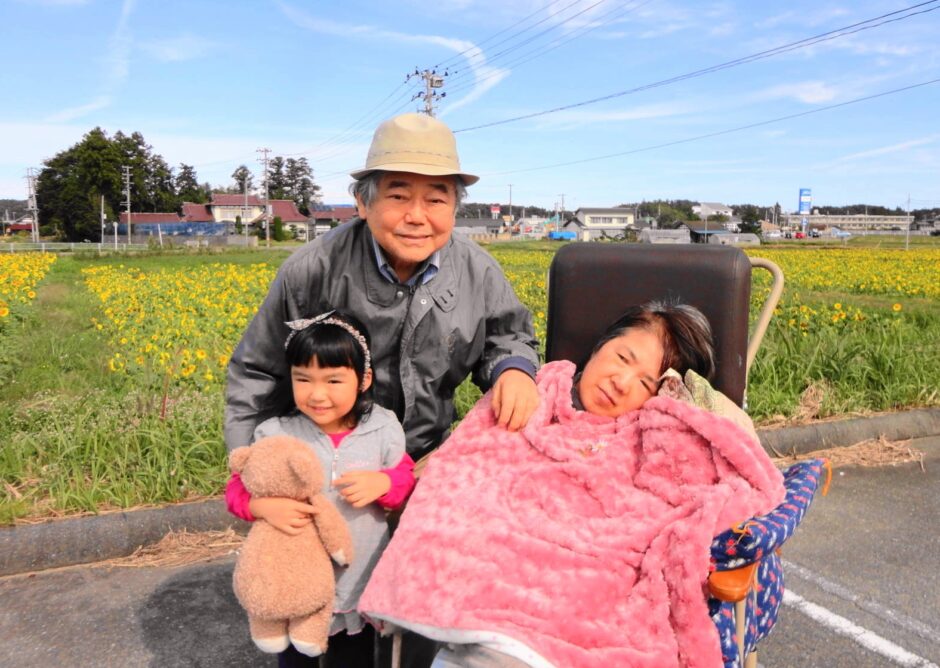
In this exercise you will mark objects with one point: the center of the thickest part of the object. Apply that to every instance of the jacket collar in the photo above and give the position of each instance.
(443, 287)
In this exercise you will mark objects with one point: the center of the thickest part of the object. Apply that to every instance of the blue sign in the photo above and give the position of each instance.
(806, 201)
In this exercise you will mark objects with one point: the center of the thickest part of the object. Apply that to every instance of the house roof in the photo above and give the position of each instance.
(286, 210)
(714, 205)
(703, 227)
(340, 213)
(150, 218)
(614, 211)
(222, 199)
(197, 213)
(477, 222)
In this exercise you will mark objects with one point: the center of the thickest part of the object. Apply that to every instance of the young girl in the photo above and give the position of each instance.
(362, 447)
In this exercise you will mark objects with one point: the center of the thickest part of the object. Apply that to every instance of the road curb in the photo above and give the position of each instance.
(801, 439)
(82, 540)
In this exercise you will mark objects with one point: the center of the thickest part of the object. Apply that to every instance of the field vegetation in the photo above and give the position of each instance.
(112, 369)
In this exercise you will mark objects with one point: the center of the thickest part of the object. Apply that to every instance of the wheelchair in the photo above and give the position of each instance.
(589, 285)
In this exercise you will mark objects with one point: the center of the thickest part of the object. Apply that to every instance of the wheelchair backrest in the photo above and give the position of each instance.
(590, 285)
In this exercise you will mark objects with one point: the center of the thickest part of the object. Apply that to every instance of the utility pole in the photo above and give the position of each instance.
(245, 212)
(432, 81)
(562, 195)
(510, 204)
(103, 218)
(127, 195)
(267, 213)
(907, 237)
(31, 203)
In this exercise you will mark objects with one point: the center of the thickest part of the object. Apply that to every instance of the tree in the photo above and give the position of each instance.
(243, 179)
(750, 217)
(187, 185)
(277, 179)
(300, 185)
(70, 186)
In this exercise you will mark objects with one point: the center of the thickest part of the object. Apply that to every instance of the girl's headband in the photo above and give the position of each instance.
(325, 319)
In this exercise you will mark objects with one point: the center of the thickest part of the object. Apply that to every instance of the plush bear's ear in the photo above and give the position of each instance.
(238, 458)
(306, 468)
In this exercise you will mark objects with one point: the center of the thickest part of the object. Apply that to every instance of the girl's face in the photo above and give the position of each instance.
(326, 395)
(623, 374)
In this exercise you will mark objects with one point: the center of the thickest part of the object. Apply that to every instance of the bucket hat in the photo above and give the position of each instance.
(415, 143)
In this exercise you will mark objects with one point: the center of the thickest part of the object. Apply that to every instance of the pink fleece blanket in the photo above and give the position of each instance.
(582, 540)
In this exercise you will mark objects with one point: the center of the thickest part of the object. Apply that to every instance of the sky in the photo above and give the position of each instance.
(209, 82)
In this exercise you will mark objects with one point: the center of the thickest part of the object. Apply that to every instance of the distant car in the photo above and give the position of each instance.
(935, 233)
(799, 235)
(774, 235)
(814, 234)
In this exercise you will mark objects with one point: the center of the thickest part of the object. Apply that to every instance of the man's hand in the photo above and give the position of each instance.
(360, 488)
(515, 398)
(285, 515)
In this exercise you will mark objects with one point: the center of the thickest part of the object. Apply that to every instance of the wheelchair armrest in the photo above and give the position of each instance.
(758, 536)
(732, 586)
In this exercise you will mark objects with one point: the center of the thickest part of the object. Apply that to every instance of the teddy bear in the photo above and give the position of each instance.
(286, 583)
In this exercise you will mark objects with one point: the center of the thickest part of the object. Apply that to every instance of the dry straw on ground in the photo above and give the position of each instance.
(879, 452)
(182, 547)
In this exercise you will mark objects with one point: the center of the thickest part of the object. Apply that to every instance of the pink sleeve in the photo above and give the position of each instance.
(403, 482)
(237, 498)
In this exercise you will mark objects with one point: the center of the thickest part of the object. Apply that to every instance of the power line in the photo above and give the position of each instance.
(792, 46)
(493, 36)
(719, 132)
(556, 43)
(495, 57)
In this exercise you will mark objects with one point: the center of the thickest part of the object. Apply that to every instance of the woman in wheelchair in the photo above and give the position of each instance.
(584, 539)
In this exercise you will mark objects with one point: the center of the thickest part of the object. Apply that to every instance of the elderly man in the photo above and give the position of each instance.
(437, 306)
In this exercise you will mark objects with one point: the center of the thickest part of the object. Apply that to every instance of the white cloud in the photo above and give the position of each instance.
(484, 76)
(72, 113)
(117, 67)
(187, 46)
(54, 3)
(580, 117)
(891, 148)
(808, 92)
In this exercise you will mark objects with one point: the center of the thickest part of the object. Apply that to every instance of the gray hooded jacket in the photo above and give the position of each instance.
(425, 339)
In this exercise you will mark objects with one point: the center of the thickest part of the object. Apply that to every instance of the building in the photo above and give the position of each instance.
(652, 236)
(706, 210)
(855, 223)
(591, 224)
(226, 208)
(703, 231)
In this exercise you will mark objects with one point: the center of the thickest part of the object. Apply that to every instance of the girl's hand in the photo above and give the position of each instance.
(360, 488)
(285, 515)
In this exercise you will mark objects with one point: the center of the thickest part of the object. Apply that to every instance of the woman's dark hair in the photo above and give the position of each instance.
(331, 345)
(686, 335)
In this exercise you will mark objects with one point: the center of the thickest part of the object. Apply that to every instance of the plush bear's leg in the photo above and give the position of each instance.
(309, 634)
(269, 635)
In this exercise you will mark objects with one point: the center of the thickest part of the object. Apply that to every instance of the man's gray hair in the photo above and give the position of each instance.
(367, 188)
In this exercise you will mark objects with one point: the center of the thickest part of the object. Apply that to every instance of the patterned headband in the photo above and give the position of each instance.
(325, 319)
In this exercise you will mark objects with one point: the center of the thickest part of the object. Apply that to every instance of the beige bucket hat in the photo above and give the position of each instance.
(415, 143)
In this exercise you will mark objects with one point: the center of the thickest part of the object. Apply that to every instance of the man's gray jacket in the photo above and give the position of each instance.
(425, 338)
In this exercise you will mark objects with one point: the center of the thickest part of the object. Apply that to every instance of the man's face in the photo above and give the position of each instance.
(411, 217)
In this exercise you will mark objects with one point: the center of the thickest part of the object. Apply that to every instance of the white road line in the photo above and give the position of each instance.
(884, 613)
(864, 637)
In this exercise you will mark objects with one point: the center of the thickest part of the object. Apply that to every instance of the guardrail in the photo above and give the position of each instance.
(70, 247)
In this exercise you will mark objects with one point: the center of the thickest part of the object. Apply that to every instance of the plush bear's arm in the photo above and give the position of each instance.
(333, 530)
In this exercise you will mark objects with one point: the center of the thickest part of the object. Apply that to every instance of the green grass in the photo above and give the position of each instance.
(78, 438)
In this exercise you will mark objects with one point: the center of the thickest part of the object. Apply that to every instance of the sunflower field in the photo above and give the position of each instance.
(111, 394)
(19, 276)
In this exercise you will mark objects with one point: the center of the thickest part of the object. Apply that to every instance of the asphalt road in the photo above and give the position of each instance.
(862, 578)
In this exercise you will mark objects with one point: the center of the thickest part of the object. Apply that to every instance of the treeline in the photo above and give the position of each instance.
(15, 207)
(482, 210)
(71, 185)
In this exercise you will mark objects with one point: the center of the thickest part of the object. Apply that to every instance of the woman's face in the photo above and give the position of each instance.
(622, 374)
